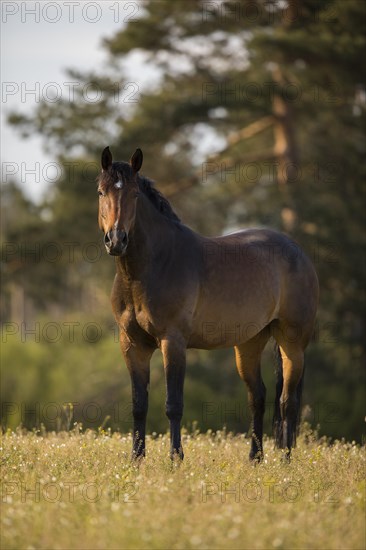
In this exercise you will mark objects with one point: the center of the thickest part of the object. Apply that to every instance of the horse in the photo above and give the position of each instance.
(176, 289)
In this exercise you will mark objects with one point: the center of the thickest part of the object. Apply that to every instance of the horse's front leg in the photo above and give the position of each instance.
(174, 354)
(138, 363)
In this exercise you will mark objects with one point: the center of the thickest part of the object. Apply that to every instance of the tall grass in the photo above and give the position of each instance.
(80, 490)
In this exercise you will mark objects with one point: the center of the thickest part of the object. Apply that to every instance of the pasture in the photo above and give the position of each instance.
(79, 490)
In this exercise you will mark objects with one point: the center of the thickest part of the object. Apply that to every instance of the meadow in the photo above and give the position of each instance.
(78, 489)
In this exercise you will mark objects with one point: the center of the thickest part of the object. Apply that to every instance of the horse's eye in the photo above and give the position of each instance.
(101, 194)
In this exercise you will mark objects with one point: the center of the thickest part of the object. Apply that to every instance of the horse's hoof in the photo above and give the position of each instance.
(256, 457)
(177, 456)
(286, 457)
(136, 457)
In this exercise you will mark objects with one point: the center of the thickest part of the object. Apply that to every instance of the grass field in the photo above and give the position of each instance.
(79, 490)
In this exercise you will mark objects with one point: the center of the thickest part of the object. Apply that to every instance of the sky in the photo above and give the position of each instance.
(39, 41)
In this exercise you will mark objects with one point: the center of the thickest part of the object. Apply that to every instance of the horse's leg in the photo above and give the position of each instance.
(292, 354)
(138, 364)
(248, 364)
(174, 354)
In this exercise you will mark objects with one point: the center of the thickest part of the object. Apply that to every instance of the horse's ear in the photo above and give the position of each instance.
(136, 160)
(106, 158)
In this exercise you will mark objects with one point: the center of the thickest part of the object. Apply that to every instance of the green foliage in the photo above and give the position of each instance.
(40, 378)
(47, 365)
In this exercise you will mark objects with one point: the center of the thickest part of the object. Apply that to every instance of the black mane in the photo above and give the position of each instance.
(158, 200)
(147, 187)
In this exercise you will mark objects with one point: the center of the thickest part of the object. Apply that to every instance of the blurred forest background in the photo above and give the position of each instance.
(256, 118)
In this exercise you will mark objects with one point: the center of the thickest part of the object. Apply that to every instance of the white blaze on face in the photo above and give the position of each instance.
(118, 185)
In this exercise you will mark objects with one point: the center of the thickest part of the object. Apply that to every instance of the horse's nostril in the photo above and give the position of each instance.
(115, 241)
(107, 239)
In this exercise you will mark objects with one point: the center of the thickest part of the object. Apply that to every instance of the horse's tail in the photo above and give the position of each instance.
(277, 420)
(299, 391)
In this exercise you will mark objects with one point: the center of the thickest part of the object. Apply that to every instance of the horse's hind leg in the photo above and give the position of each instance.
(174, 355)
(248, 364)
(292, 354)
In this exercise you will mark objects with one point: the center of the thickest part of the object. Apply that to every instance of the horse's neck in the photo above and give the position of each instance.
(152, 235)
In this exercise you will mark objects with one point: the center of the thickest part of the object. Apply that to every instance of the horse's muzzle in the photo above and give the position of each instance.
(116, 242)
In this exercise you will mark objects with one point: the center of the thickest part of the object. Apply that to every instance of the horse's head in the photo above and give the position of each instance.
(118, 191)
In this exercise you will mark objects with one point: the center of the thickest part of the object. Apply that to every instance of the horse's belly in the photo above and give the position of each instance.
(229, 326)
(213, 335)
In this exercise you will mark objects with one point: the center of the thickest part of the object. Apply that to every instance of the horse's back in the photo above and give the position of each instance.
(250, 278)
(268, 250)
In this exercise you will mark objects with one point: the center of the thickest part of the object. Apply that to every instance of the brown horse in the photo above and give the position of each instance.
(175, 289)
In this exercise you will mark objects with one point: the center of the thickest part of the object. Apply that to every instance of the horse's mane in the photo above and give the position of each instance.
(147, 187)
(158, 200)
